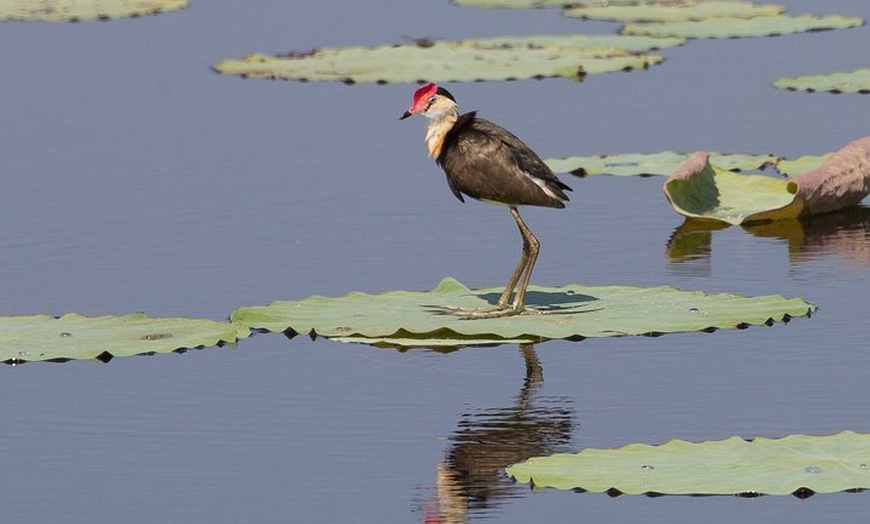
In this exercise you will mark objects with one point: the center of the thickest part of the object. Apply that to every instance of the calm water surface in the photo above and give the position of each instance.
(135, 179)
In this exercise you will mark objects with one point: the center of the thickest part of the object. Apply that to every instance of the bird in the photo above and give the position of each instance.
(486, 162)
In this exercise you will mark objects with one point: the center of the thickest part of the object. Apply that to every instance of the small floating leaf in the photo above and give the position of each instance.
(569, 56)
(73, 336)
(739, 27)
(76, 10)
(569, 311)
(857, 81)
(796, 464)
(673, 13)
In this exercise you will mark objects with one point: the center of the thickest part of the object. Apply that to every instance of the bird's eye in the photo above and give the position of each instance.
(431, 100)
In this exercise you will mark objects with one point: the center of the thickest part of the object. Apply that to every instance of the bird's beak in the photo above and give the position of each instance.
(405, 115)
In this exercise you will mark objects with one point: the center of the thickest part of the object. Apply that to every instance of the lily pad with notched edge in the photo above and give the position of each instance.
(673, 13)
(79, 10)
(857, 81)
(739, 27)
(569, 311)
(569, 56)
(73, 336)
(797, 464)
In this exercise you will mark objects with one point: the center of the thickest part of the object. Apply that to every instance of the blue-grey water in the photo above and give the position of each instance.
(136, 179)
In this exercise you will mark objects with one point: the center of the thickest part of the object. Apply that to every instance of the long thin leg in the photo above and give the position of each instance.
(521, 266)
(522, 274)
(531, 248)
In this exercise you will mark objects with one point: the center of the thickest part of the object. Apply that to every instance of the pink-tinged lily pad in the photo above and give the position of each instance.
(702, 191)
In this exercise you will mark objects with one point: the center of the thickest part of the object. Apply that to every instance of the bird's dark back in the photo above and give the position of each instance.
(487, 162)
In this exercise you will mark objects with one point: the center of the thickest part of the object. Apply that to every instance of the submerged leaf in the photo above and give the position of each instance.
(73, 336)
(428, 318)
(740, 27)
(569, 56)
(75, 10)
(857, 81)
(673, 13)
(797, 464)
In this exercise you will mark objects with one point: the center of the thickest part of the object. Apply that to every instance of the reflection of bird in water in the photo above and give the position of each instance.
(471, 477)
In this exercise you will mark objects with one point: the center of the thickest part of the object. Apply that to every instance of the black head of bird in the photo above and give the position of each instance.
(486, 162)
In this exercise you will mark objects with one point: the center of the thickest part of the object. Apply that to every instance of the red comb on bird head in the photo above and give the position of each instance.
(422, 96)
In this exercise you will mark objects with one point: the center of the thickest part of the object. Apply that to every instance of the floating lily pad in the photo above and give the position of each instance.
(700, 190)
(857, 81)
(570, 311)
(525, 4)
(673, 13)
(76, 10)
(798, 464)
(703, 191)
(649, 164)
(73, 336)
(569, 56)
(740, 27)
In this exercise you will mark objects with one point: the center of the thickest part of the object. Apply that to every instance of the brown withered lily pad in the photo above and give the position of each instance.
(703, 191)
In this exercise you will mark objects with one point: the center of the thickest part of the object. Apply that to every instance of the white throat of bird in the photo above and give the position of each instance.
(442, 114)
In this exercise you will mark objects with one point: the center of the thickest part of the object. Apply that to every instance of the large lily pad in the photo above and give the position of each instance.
(427, 318)
(73, 336)
(569, 56)
(673, 13)
(703, 191)
(857, 81)
(76, 10)
(739, 27)
(797, 464)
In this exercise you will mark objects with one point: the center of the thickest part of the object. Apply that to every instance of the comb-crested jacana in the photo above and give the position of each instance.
(487, 162)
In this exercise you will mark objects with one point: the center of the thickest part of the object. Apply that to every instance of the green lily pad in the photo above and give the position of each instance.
(73, 336)
(427, 318)
(649, 164)
(525, 4)
(740, 27)
(857, 81)
(78, 10)
(801, 165)
(796, 464)
(569, 56)
(673, 13)
(700, 190)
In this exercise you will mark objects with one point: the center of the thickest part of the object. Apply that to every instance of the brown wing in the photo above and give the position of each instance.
(487, 162)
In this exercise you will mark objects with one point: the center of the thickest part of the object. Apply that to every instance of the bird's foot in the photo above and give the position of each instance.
(494, 312)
